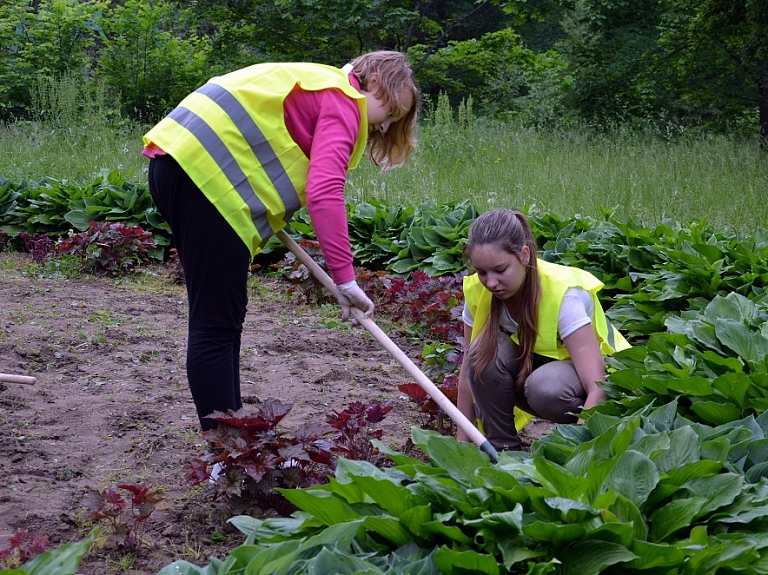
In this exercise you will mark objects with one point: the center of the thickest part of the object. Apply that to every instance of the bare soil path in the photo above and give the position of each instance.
(111, 403)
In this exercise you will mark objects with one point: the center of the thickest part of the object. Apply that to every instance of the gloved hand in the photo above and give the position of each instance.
(350, 295)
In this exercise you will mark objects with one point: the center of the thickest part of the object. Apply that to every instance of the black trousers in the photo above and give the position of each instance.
(216, 263)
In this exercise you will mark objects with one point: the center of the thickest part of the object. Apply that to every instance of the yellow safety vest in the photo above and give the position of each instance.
(230, 137)
(555, 281)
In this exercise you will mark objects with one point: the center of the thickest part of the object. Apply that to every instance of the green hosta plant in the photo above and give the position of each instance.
(649, 493)
(712, 362)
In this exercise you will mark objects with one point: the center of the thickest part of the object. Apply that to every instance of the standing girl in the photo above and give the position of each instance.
(535, 332)
(232, 163)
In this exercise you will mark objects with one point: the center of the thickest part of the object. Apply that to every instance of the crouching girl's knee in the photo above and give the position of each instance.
(554, 392)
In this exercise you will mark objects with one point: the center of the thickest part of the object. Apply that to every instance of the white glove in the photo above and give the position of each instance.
(350, 295)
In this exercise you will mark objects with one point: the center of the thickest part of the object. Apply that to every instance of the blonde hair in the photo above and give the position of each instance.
(395, 83)
(509, 231)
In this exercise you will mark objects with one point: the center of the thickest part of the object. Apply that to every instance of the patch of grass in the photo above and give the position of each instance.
(646, 174)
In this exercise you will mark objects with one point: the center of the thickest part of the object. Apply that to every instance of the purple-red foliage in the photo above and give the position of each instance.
(127, 523)
(174, 267)
(356, 428)
(435, 302)
(39, 245)
(23, 548)
(430, 414)
(257, 458)
(109, 247)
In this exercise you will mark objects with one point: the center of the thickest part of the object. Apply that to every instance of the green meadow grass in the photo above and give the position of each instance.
(638, 175)
(644, 177)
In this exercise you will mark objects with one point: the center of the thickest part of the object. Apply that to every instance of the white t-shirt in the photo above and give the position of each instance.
(576, 311)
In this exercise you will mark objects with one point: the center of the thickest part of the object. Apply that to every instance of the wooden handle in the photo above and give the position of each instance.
(424, 382)
(25, 379)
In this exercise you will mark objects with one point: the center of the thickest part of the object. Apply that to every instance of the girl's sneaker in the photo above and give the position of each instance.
(216, 471)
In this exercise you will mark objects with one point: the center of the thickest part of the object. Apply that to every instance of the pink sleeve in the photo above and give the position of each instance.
(332, 143)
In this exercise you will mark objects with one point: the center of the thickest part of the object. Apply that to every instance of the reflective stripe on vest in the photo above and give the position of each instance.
(229, 166)
(230, 137)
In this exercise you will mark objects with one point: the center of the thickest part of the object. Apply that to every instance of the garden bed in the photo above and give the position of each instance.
(111, 403)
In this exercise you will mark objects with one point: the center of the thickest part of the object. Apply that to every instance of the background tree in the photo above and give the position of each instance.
(45, 38)
(666, 62)
(712, 62)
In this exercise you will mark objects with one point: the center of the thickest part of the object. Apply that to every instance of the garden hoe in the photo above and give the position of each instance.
(8, 378)
(424, 382)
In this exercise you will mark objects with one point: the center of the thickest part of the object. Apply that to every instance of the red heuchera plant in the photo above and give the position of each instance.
(109, 247)
(356, 427)
(257, 458)
(127, 523)
(23, 548)
(38, 245)
(430, 414)
(435, 302)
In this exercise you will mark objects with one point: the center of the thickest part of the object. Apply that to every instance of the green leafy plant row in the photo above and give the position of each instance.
(651, 493)
(55, 207)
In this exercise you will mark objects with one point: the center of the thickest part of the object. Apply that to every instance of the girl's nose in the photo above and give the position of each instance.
(384, 126)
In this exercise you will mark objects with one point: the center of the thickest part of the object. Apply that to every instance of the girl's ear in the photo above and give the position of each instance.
(371, 83)
(525, 255)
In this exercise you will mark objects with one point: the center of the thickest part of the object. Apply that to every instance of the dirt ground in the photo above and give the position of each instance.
(111, 403)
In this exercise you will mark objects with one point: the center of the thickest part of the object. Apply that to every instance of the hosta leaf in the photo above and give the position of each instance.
(592, 557)
(757, 472)
(555, 533)
(449, 560)
(758, 451)
(628, 512)
(446, 263)
(571, 511)
(656, 555)
(64, 559)
(512, 553)
(79, 218)
(721, 364)
(460, 459)
(732, 307)
(265, 559)
(558, 479)
(404, 266)
(634, 477)
(396, 499)
(736, 336)
(683, 448)
(328, 561)
(746, 516)
(685, 473)
(716, 490)
(326, 507)
(389, 528)
(674, 516)
(690, 386)
(715, 412)
(440, 532)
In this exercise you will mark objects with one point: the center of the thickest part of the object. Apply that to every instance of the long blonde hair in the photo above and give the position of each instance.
(509, 231)
(396, 81)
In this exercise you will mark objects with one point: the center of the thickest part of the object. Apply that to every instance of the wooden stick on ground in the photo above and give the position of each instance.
(25, 379)
(424, 382)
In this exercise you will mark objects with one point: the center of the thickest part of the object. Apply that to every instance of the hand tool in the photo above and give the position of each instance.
(421, 379)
